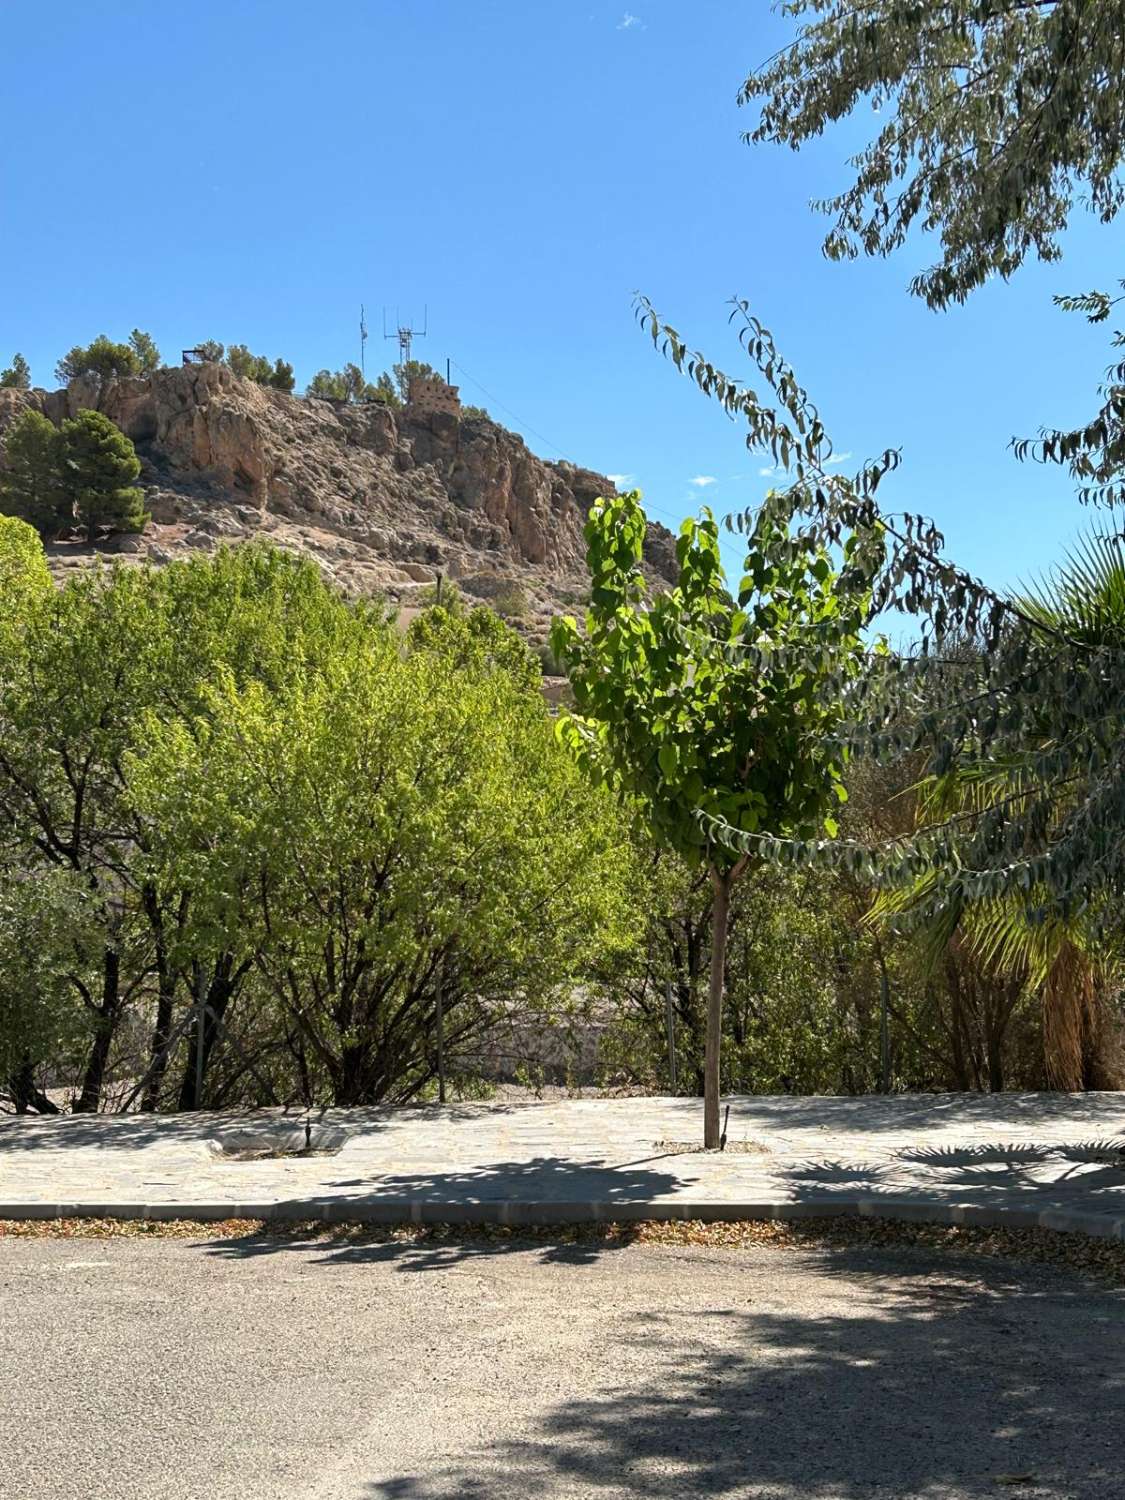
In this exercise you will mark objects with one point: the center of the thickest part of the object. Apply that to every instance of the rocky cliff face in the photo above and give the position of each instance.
(381, 499)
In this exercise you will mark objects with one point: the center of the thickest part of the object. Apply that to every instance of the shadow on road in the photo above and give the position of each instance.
(948, 1382)
(541, 1182)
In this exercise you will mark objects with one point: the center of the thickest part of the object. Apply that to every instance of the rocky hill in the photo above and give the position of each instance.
(382, 499)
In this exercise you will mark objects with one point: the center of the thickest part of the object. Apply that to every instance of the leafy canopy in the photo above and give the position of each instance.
(17, 376)
(98, 464)
(708, 710)
(109, 361)
(257, 367)
(32, 483)
(996, 112)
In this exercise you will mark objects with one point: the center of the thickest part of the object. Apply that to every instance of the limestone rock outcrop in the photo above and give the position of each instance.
(383, 499)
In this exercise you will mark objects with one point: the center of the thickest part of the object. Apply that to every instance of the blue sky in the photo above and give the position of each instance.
(252, 170)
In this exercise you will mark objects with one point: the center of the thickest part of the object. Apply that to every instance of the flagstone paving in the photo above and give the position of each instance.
(1021, 1159)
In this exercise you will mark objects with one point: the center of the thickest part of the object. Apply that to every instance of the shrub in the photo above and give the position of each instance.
(512, 601)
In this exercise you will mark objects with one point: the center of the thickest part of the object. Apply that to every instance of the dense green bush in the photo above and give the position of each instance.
(270, 800)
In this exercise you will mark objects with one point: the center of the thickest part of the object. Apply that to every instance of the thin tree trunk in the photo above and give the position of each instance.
(165, 996)
(25, 1093)
(720, 916)
(221, 990)
(90, 1097)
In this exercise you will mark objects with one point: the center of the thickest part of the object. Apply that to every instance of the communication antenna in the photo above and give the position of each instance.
(362, 342)
(404, 333)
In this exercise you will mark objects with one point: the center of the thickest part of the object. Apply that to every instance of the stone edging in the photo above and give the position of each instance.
(519, 1212)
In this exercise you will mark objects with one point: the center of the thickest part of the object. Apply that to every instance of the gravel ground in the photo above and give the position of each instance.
(427, 1366)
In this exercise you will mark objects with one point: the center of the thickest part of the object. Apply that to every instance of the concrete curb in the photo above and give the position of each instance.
(519, 1212)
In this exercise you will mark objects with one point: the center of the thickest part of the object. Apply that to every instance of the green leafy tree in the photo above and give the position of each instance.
(82, 670)
(387, 825)
(17, 376)
(281, 377)
(210, 350)
(476, 639)
(48, 953)
(99, 464)
(348, 384)
(33, 483)
(992, 114)
(995, 115)
(102, 358)
(329, 384)
(145, 350)
(384, 390)
(248, 366)
(703, 710)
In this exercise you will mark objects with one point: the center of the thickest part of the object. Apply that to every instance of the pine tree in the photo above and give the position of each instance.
(17, 376)
(102, 357)
(31, 484)
(145, 350)
(99, 464)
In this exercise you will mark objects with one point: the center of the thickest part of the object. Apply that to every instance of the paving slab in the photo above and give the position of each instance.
(1023, 1159)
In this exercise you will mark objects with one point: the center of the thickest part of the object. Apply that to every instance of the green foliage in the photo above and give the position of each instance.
(99, 464)
(512, 600)
(992, 113)
(266, 799)
(282, 377)
(703, 708)
(257, 367)
(145, 350)
(474, 413)
(995, 113)
(48, 950)
(17, 376)
(102, 358)
(328, 384)
(348, 384)
(392, 822)
(385, 391)
(25, 579)
(711, 715)
(33, 485)
(210, 350)
(476, 640)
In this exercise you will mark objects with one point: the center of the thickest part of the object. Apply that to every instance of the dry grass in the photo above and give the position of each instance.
(1103, 1260)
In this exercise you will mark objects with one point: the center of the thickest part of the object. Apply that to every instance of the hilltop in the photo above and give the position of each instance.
(383, 499)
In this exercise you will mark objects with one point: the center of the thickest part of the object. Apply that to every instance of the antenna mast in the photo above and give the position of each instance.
(404, 333)
(362, 342)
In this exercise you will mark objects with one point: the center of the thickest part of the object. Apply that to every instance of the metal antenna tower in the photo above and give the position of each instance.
(362, 342)
(404, 333)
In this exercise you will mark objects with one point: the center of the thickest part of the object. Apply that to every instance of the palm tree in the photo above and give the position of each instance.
(1023, 939)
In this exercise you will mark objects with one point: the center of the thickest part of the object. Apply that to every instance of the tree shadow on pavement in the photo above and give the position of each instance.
(1091, 1173)
(536, 1189)
(908, 1382)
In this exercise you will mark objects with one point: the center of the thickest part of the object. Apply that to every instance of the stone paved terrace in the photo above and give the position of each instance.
(1022, 1159)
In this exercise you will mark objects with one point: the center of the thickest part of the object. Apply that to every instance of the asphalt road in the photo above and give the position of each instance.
(262, 1370)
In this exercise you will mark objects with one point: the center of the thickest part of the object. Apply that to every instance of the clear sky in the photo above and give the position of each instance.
(253, 170)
